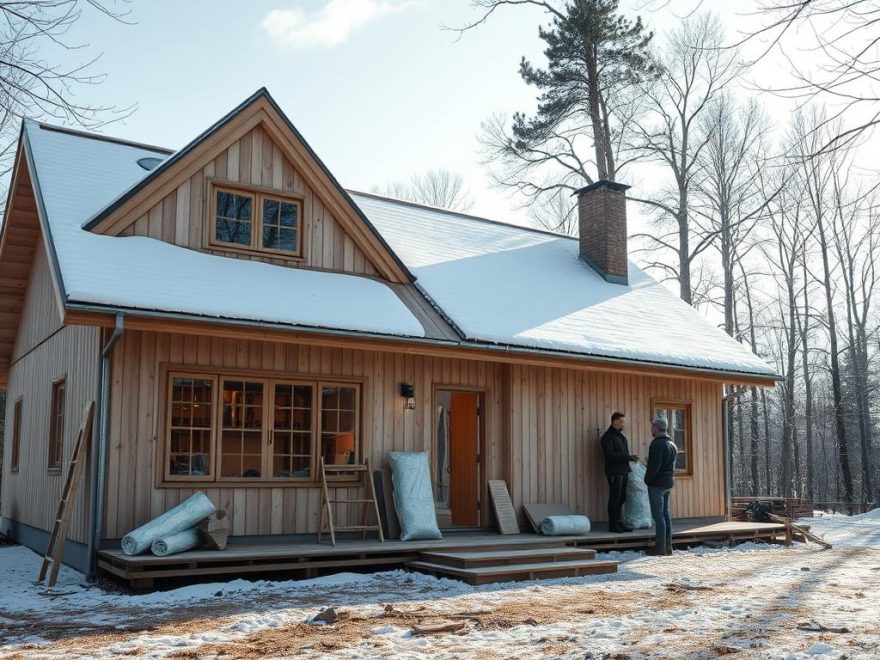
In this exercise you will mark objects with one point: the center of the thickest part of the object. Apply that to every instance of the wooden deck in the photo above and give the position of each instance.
(307, 558)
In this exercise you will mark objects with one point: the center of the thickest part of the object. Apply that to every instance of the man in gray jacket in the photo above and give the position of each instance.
(660, 479)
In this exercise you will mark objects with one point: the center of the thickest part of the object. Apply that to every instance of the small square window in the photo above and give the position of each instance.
(280, 225)
(234, 219)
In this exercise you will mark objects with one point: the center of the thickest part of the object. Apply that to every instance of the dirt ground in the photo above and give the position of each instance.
(752, 601)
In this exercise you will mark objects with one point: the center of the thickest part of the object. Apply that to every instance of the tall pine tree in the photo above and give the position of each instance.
(596, 58)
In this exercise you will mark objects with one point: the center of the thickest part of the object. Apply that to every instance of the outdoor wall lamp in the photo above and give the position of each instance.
(408, 392)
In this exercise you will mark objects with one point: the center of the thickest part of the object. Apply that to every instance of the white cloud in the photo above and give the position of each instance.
(329, 26)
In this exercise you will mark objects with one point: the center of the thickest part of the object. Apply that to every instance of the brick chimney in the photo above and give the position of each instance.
(602, 223)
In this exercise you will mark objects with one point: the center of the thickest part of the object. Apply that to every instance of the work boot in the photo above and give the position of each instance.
(668, 551)
(656, 552)
(619, 528)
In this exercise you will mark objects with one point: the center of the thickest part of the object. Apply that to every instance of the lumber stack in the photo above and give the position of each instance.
(791, 507)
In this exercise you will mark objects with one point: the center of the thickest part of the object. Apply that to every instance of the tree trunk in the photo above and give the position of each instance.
(836, 388)
(808, 384)
(767, 449)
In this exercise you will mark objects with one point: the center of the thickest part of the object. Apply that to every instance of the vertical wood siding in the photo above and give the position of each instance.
(556, 416)
(540, 427)
(31, 495)
(39, 316)
(255, 160)
(44, 352)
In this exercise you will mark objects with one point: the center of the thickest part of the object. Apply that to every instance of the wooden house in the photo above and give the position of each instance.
(235, 313)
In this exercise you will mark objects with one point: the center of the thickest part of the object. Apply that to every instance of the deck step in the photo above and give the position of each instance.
(536, 571)
(507, 557)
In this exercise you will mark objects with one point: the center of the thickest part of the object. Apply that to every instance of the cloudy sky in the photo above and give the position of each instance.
(378, 87)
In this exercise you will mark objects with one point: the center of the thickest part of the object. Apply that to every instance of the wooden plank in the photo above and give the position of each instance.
(505, 514)
(502, 557)
(536, 512)
(487, 575)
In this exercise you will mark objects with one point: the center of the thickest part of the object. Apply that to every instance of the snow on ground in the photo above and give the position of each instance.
(747, 601)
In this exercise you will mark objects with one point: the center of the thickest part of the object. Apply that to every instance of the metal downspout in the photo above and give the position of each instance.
(99, 450)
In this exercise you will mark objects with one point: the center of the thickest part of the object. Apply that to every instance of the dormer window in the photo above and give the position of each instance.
(256, 220)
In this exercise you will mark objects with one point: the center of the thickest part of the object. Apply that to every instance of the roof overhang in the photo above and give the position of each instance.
(159, 321)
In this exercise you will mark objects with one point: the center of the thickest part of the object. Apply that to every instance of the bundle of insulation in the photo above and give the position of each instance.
(637, 510)
(413, 496)
(173, 531)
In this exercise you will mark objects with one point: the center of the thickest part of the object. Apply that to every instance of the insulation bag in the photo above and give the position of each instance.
(185, 515)
(565, 525)
(413, 496)
(637, 510)
(169, 545)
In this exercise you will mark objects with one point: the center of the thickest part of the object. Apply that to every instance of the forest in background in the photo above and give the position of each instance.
(773, 229)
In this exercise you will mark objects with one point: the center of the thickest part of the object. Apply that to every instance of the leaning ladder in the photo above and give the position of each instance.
(55, 550)
(327, 503)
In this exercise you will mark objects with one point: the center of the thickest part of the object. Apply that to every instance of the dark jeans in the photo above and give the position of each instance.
(616, 497)
(659, 499)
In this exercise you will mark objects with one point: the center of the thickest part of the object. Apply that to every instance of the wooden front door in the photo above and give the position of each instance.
(464, 449)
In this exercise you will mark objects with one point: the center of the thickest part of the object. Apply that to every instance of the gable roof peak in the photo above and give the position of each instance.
(257, 109)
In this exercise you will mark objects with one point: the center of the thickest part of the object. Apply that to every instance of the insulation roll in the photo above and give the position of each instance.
(185, 515)
(169, 545)
(565, 525)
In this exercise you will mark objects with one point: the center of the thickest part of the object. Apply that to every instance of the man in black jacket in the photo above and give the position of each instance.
(660, 480)
(615, 447)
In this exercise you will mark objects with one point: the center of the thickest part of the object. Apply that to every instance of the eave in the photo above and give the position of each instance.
(158, 321)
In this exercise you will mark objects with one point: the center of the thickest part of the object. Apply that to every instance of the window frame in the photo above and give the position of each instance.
(688, 448)
(269, 380)
(55, 446)
(169, 409)
(15, 450)
(259, 195)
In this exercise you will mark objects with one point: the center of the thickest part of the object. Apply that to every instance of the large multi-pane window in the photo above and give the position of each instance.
(236, 428)
(256, 220)
(678, 419)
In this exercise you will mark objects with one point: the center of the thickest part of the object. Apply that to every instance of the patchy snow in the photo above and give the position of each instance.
(747, 601)
(78, 176)
(511, 285)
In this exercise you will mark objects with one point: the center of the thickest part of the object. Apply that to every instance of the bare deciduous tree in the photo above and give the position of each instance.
(33, 86)
(440, 188)
(693, 70)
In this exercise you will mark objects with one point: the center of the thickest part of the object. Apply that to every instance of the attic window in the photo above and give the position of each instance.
(256, 220)
(149, 163)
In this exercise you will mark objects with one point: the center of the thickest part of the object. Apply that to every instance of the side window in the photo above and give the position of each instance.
(677, 416)
(56, 426)
(16, 436)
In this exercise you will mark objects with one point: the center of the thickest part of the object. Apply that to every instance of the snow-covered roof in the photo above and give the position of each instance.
(76, 176)
(497, 283)
(515, 286)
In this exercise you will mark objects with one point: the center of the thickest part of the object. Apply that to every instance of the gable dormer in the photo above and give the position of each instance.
(250, 187)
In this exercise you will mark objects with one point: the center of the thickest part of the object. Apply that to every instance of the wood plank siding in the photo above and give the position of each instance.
(539, 426)
(45, 351)
(253, 160)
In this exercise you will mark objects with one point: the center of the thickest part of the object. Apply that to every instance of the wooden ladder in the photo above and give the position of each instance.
(58, 538)
(327, 503)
